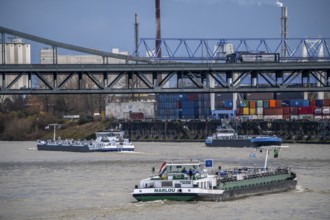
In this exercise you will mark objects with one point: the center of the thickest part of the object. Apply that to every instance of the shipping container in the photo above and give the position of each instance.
(246, 111)
(260, 104)
(319, 102)
(252, 104)
(228, 104)
(204, 96)
(306, 116)
(258, 96)
(245, 103)
(287, 117)
(326, 111)
(296, 102)
(278, 103)
(260, 111)
(305, 110)
(190, 112)
(253, 111)
(286, 110)
(285, 103)
(289, 95)
(318, 117)
(312, 102)
(294, 117)
(272, 103)
(293, 111)
(326, 102)
(273, 111)
(260, 117)
(266, 104)
(305, 102)
(273, 117)
(318, 111)
(188, 104)
(219, 104)
(136, 115)
(192, 97)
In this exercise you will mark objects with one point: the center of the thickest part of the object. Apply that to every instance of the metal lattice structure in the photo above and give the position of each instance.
(186, 65)
(175, 78)
(211, 49)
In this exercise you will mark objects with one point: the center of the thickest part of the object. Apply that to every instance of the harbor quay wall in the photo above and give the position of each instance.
(198, 130)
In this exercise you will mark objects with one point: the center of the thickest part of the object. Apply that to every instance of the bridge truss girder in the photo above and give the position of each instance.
(212, 49)
(164, 78)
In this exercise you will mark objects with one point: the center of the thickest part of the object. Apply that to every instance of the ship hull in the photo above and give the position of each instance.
(193, 194)
(253, 142)
(266, 141)
(80, 148)
(275, 187)
(229, 143)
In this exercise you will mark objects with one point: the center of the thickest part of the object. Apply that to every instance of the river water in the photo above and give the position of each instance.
(66, 185)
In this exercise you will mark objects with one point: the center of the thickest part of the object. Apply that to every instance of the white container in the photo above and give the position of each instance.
(273, 117)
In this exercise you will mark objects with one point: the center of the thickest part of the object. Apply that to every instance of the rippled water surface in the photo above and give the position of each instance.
(65, 185)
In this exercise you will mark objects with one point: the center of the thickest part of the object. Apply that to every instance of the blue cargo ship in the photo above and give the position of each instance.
(228, 137)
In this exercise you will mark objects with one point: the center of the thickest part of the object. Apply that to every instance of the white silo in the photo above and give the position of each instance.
(17, 52)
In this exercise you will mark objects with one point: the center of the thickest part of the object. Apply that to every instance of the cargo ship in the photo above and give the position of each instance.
(191, 181)
(227, 137)
(105, 141)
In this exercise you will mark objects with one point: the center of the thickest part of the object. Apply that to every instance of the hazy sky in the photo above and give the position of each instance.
(107, 24)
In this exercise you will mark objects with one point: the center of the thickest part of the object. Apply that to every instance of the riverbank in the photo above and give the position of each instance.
(295, 131)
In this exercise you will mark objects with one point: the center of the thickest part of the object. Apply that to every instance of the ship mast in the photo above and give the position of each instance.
(267, 148)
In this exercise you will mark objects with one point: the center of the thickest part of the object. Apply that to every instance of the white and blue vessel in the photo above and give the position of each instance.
(228, 137)
(194, 181)
(105, 141)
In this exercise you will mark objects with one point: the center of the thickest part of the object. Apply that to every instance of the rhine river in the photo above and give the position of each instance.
(65, 185)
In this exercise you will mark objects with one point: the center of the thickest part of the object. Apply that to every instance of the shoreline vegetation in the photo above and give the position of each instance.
(25, 119)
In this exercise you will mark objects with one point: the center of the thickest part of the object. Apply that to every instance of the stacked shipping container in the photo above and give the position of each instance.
(183, 106)
(284, 109)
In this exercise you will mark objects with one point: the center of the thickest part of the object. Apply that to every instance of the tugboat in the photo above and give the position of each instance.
(105, 141)
(228, 137)
(191, 181)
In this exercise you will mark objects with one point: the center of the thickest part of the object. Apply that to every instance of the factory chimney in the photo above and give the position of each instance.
(284, 30)
(158, 34)
(136, 34)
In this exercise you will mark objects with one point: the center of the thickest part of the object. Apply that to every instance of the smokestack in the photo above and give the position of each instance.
(284, 29)
(136, 31)
(158, 34)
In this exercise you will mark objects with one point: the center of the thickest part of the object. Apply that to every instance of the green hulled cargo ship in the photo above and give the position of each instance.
(191, 181)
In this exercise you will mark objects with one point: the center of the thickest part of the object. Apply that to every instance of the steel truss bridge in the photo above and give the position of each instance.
(186, 66)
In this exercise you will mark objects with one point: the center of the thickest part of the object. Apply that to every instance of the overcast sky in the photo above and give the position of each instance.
(107, 24)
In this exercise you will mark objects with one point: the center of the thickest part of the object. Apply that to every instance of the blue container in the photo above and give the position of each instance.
(188, 105)
(228, 104)
(285, 103)
(296, 103)
(183, 97)
(266, 104)
(305, 102)
(319, 102)
(188, 112)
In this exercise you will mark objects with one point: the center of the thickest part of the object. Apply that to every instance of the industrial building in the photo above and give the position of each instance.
(46, 57)
(16, 52)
